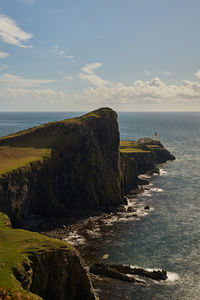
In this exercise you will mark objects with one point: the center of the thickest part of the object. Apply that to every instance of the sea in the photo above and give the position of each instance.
(167, 236)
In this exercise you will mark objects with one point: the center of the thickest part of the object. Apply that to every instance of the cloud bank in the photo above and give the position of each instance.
(140, 95)
(10, 80)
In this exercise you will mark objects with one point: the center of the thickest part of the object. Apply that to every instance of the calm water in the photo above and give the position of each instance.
(168, 237)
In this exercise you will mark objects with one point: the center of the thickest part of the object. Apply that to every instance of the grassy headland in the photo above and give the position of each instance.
(16, 247)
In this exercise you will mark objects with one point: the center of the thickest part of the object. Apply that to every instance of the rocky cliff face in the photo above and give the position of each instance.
(129, 173)
(56, 274)
(81, 173)
(139, 157)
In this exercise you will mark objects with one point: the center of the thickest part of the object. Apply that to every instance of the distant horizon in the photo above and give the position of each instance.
(79, 111)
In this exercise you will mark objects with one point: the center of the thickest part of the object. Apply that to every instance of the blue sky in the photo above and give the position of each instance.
(80, 55)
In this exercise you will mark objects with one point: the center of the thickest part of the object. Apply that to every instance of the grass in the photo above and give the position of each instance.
(130, 147)
(16, 246)
(24, 147)
(12, 158)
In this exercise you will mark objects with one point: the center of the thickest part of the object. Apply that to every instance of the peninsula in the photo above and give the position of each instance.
(70, 167)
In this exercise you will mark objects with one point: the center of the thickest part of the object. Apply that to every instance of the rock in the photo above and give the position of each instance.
(147, 207)
(138, 190)
(121, 208)
(109, 271)
(143, 181)
(118, 271)
(131, 209)
(125, 200)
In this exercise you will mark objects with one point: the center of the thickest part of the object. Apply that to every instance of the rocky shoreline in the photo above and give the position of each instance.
(83, 232)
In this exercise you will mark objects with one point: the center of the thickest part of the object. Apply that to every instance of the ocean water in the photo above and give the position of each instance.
(168, 235)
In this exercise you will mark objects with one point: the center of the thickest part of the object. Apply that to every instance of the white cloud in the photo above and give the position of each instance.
(88, 74)
(11, 33)
(197, 74)
(3, 54)
(57, 50)
(144, 94)
(11, 80)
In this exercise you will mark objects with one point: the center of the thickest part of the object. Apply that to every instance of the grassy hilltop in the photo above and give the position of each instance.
(24, 147)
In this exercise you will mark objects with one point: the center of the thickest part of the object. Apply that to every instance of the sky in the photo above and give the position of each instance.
(79, 55)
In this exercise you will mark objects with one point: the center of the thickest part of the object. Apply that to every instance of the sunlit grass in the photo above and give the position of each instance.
(131, 147)
(12, 158)
(17, 246)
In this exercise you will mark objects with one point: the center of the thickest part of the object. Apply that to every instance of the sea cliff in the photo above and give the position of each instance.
(60, 169)
(139, 157)
(80, 171)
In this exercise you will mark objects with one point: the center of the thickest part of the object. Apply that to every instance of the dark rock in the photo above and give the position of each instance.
(125, 200)
(131, 209)
(112, 269)
(121, 208)
(147, 207)
(143, 181)
(109, 271)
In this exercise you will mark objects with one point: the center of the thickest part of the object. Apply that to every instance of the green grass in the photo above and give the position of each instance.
(12, 158)
(130, 147)
(16, 246)
(24, 147)
(132, 150)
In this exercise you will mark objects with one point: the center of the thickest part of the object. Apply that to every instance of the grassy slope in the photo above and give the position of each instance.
(16, 246)
(14, 155)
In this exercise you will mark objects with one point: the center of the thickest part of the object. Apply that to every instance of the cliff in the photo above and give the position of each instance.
(138, 157)
(70, 166)
(60, 168)
(39, 267)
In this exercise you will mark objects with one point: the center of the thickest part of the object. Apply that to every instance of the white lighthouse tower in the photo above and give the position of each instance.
(155, 136)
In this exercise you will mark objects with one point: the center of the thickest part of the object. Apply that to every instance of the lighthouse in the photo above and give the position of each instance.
(155, 136)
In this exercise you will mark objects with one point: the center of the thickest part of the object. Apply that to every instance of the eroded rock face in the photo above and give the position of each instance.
(66, 278)
(56, 274)
(140, 161)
